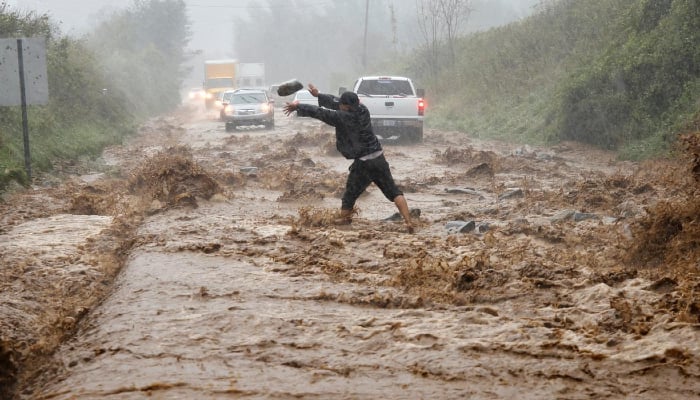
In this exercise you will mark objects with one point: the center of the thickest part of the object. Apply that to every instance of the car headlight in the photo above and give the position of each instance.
(228, 110)
(265, 108)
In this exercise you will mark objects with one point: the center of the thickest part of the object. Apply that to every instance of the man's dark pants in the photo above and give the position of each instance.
(362, 174)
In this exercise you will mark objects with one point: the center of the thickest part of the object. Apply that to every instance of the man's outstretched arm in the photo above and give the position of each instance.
(324, 100)
(307, 110)
(328, 116)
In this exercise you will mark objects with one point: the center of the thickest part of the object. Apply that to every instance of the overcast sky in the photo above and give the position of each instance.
(211, 20)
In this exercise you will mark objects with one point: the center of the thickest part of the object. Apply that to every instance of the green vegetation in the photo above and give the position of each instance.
(619, 74)
(142, 50)
(100, 87)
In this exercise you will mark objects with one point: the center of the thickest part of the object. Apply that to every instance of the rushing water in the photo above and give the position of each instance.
(230, 300)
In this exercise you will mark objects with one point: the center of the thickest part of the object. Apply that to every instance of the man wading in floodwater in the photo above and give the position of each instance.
(355, 140)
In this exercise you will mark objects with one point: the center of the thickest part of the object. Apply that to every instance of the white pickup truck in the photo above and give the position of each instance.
(396, 107)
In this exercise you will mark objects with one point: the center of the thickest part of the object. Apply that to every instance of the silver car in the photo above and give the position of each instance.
(304, 97)
(249, 107)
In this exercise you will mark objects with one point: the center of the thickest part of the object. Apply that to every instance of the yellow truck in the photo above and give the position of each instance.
(219, 76)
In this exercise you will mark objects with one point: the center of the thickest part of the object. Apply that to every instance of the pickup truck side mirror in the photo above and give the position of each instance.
(420, 92)
(342, 90)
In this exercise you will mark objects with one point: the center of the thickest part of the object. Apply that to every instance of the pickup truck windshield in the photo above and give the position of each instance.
(385, 87)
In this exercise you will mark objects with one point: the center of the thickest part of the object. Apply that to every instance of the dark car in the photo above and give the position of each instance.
(248, 107)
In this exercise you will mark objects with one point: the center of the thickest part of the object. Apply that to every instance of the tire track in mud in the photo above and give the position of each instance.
(247, 295)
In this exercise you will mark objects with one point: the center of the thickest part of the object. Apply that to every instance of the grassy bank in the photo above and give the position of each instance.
(618, 74)
(101, 86)
(51, 142)
(79, 118)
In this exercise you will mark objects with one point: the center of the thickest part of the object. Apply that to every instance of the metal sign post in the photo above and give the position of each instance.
(25, 120)
(23, 80)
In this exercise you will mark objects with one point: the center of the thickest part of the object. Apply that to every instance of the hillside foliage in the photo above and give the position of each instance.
(143, 49)
(618, 74)
(100, 86)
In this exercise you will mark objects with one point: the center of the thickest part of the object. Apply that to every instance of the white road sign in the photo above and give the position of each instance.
(35, 80)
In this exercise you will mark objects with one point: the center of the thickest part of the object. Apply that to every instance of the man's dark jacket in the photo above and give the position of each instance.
(354, 137)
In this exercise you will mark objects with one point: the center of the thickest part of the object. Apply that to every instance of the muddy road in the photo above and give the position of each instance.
(192, 263)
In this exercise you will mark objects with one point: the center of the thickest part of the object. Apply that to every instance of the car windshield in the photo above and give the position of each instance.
(386, 87)
(248, 98)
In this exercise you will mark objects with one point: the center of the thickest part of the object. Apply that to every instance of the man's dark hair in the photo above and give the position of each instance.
(349, 98)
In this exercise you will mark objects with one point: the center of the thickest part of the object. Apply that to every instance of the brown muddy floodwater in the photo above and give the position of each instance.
(199, 264)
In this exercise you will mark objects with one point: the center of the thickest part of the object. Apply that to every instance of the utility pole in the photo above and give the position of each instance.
(364, 52)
